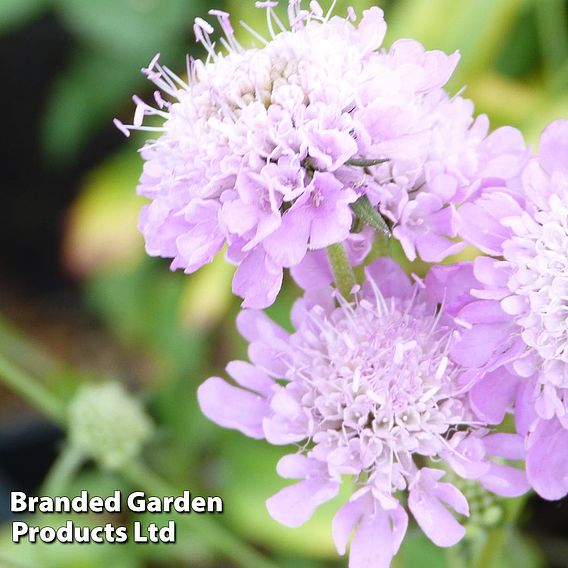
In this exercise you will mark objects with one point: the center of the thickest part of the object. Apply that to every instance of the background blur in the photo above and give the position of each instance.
(79, 300)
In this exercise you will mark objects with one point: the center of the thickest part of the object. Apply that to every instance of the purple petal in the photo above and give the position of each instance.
(453, 497)
(525, 413)
(313, 272)
(450, 285)
(435, 248)
(255, 325)
(372, 29)
(553, 147)
(295, 466)
(505, 480)
(547, 460)
(388, 277)
(373, 543)
(250, 377)
(258, 280)
(509, 446)
(493, 395)
(294, 505)
(232, 407)
(491, 272)
(287, 246)
(478, 345)
(434, 519)
(345, 521)
(280, 431)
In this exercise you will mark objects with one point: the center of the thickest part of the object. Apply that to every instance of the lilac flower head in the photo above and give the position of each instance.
(366, 389)
(261, 149)
(526, 290)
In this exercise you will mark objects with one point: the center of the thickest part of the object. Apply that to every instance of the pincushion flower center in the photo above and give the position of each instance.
(376, 378)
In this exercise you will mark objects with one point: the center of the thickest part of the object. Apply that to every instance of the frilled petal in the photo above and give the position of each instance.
(509, 446)
(250, 377)
(372, 29)
(345, 521)
(313, 272)
(547, 460)
(295, 466)
(505, 480)
(323, 298)
(450, 285)
(553, 147)
(232, 407)
(491, 272)
(376, 540)
(258, 280)
(478, 345)
(386, 275)
(200, 243)
(287, 246)
(294, 505)
(480, 222)
(255, 325)
(493, 395)
(328, 208)
(434, 519)
(435, 248)
(525, 412)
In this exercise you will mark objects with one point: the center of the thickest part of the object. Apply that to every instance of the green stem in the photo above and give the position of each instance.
(63, 471)
(342, 270)
(31, 390)
(492, 548)
(455, 558)
(24, 352)
(207, 528)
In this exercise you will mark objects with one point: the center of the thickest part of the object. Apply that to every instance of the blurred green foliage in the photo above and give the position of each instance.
(515, 67)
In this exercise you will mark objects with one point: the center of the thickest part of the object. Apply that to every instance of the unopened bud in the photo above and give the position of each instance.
(108, 425)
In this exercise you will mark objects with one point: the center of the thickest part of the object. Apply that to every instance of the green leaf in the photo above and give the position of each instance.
(127, 28)
(84, 98)
(15, 13)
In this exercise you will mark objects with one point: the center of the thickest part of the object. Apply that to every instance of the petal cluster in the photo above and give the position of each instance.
(519, 299)
(260, 149)
(366, 389)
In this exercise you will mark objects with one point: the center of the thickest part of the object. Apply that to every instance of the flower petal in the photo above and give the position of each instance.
(232, 407)
(295, 504)
(434, 519)
(547, 460)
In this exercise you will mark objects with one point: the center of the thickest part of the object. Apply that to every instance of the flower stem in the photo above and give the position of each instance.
(492, 548)
(342, 270)
(24, 352)
(63, 471)
(31, 390)
(209, 530)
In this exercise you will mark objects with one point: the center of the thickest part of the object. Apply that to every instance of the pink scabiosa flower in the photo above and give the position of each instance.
(265, 150)
(366, 389)
(518, 314)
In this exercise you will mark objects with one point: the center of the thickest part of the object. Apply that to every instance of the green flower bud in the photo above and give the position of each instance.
(108, 425)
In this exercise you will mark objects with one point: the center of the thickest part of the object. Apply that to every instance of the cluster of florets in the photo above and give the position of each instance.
(264, 150)
(282, 152)
(366, 389)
